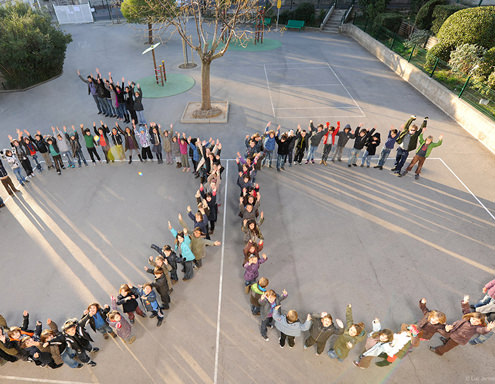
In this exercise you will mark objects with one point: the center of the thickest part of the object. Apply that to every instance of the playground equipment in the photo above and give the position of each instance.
(160, 73)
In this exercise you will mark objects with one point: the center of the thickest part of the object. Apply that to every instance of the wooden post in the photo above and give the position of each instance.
(164, 72)
(154, 64)
(161, 74)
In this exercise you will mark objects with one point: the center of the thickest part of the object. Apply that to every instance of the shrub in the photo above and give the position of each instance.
(372, 8)
(286, 16)
(487, 65)
(439, 50)
(418, 37)
(466, 59)
(424, 17)
(31, 48)
(469, 26)
(491, 80)
(442, 13)
(306, 12)
(390, 21)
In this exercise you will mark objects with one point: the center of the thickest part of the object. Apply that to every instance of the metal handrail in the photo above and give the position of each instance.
(329, 13)
(346, 14)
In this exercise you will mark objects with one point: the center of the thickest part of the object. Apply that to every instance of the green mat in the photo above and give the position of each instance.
(176, 83)
(249, 46)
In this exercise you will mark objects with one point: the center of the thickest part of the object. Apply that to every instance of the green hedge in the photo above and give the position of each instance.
(390, 21)
(424, 18)
(488, 64)
(442, 13)
(469, 26)
(304, 11)
(32, 50)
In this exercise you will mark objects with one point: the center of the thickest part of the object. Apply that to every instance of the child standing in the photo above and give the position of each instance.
(161, 286)
(256, 290)
(389, 145)
(422, 153)
(352, 335)
(322, 327)
(127, 298)
(79, 341)
(289, 325)
(143, 138)
(182, 245)
(379, 341)
(167, 254)
(90, 144)
(148, 297)
(156, 142)
(97, 318)
(269, 145)
(371, 145)
(122, 328)
(183, 147)
(55, 152)
(268, 302)
(251, 268)
(329, 142)
(361, 137)
(15, 165)
(431, 323)
(167, 143)
(344, 137)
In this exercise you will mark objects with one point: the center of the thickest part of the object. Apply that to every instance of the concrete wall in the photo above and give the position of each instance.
(474, 122)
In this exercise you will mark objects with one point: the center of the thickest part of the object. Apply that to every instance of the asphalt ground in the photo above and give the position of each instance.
(334, 235)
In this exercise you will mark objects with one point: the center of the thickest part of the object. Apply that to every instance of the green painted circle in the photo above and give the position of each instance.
(176, 83)
(249, 46)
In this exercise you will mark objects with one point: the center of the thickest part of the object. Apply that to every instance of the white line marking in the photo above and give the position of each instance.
(220, 283)
(275, 85)
(269, 92)
(33, 380)
(321, 108)
(345, 88)
(312, 116)
(467, 189)
(279, 66)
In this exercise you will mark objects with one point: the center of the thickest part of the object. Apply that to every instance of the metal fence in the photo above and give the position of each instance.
(478, 95)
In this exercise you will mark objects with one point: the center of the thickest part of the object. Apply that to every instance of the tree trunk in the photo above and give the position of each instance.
(150, 33)
(205, 85)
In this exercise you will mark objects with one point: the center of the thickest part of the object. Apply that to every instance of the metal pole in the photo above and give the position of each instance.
(154, 64)
(393, 41)
(410, 56)
(434, 67)
(278, 14)
(464, 86)
(164, 72)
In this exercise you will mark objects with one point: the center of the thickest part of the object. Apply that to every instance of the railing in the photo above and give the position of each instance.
(346, 15)
(329, 13)
(477, 95)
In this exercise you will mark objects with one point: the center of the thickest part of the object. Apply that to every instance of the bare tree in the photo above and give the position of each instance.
(216, 24)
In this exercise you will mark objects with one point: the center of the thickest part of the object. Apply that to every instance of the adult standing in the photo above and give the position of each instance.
(92, 89)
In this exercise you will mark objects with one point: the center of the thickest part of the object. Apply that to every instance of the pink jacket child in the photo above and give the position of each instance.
(119, 324)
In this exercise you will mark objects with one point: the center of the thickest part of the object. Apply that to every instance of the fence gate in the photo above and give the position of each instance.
(73, 14)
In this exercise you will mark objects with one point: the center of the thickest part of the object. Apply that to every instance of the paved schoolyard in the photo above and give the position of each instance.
(333, 235)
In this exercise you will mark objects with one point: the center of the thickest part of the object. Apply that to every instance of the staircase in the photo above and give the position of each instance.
(333, 23)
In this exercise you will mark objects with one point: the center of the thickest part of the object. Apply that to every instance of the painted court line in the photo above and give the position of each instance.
(220, 283)
(335, 74)
(269, 92)
(319, 108)
(34, 380)
(313, 116)
(467, 189)
(276, 85)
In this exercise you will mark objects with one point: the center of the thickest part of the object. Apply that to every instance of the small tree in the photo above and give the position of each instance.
(31, 48)
(144, 12)
(212, 35)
